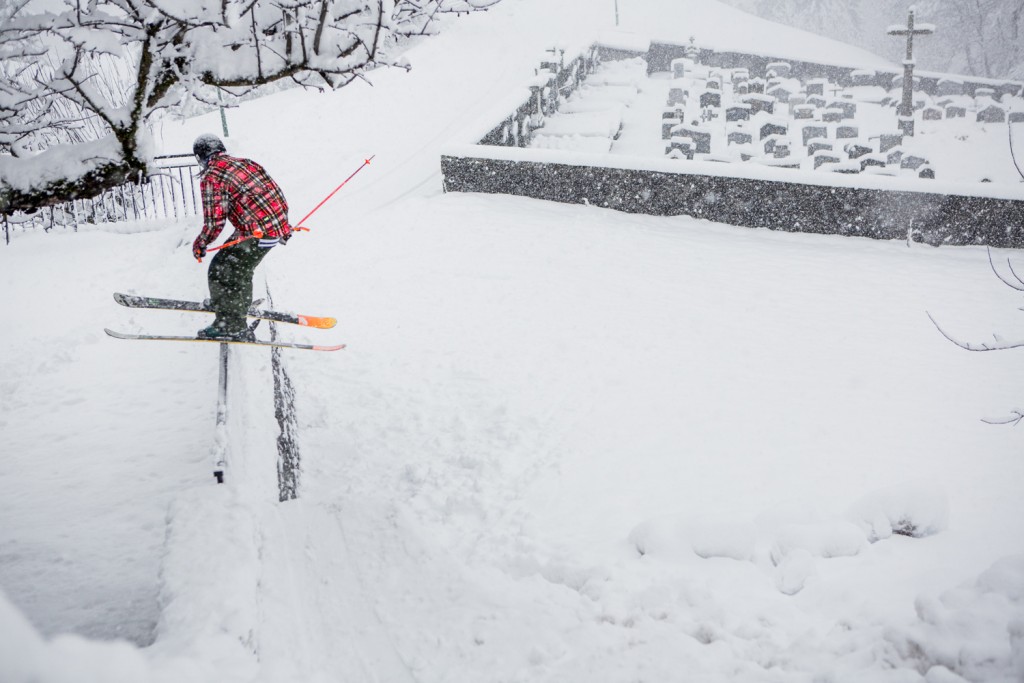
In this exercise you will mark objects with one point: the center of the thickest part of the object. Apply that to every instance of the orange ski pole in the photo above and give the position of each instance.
(366, 162)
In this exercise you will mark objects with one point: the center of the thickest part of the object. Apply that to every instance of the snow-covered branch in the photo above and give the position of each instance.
(175, 50)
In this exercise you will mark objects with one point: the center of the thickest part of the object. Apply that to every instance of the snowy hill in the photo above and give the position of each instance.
(562, 444)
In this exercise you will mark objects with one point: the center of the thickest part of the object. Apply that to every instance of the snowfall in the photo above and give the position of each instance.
(562, 444)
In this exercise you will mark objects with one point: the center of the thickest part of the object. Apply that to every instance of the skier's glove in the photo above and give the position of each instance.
(198, 249)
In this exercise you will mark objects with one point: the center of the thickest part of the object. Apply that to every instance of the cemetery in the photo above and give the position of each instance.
(725, 120)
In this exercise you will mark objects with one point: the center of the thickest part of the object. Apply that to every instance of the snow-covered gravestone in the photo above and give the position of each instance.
(816, 86)
(710, 98)
(955, 111)
(814, 132)
(738, 137)
(678, 68)
(889, 140)
(757, 85)
(992, 114)
(760, 103)
(912, 162)
(738, 112)
(701, 139)
(931, 114)
(832, 116)
(848, 109)
(804, 111)
(741, 88)
(855, 150)
(681, 147)
(676, 96)
(781, 92)
(877, 160)
(820, 145)
(773, 128)
(824, 156)
(666, 127)
(984, 94)
(846, 132)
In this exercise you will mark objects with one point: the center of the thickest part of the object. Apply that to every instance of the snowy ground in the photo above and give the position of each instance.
(563, 443)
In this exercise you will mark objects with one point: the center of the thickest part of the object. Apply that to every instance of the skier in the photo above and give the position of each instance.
(241, 191)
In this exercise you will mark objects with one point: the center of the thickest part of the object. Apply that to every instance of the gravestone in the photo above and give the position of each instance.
(955, 111)
(816, 87)
(926, 172)
(741, 88)
(825, 157)
(740, 138)
(709, 98)
(846, 132)
(678, 68)
(878, 160)
(683, 145)
(759, 103)
(701, 138)
(982, 93)
(894, 156)
(992, 114)
(781, 149)
(819, 145)
(676, 96)
(848, 109)
(812, 132)
(832, 116)
(855, 150)
(756, 85)
(797, 99)
(738, 112)
(889, 140)
(849, 167)
(912, 161)
(740, 75)
(671, 113)
(804, 111)
(931, 114)
(782, 93)
(817, 100)
(769, 143)
(773, 129)
(666, 127)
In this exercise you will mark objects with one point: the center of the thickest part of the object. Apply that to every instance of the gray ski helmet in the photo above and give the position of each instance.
(206, 146)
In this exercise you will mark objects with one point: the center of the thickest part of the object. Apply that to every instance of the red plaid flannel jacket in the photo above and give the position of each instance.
(240, 190)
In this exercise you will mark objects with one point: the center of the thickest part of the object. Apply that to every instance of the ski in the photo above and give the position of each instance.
(258, 342)
(133, 301)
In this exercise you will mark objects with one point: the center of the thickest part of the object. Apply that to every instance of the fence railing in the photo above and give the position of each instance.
(170, 192)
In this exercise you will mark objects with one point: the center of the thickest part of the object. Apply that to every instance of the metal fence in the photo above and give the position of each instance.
(171, 192)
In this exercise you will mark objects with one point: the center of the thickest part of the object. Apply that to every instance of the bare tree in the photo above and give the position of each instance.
(51, 64)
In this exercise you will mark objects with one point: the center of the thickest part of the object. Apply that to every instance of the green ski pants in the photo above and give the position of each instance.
(230, 278)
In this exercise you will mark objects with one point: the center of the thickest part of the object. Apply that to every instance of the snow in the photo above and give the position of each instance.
(563, 444)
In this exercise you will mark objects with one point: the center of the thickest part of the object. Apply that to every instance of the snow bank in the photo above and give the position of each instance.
(974, 632)
(904, 510)
(26, 657)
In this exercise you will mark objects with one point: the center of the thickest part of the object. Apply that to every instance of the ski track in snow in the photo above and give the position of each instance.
(562, 444)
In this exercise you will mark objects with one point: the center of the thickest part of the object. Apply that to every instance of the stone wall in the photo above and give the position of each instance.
(774, 204)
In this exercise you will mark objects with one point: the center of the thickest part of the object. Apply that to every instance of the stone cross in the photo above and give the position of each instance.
(906, 110)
